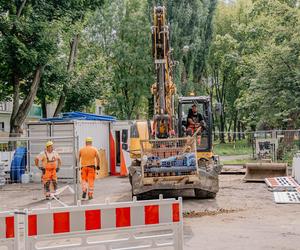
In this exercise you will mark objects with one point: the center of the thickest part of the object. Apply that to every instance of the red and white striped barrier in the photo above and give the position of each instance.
(8, 230)
(125, 222)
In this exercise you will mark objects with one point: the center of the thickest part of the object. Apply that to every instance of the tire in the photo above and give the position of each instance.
(203, 194)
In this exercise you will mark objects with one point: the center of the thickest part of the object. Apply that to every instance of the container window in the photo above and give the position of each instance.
(134, 133)
(124, 135)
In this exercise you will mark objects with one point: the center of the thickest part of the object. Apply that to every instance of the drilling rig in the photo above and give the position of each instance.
(165, 157)
(164, 89)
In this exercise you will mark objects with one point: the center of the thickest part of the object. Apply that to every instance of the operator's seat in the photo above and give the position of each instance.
(184, 122)
(190, 114)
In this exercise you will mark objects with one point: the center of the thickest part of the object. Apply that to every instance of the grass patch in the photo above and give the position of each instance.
(238, 148)
(239, 161)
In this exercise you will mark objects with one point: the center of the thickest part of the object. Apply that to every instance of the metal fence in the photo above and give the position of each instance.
(262, 146)
(22, 179)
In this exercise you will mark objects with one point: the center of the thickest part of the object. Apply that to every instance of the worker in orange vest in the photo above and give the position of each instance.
(90, 160)
(51, 163)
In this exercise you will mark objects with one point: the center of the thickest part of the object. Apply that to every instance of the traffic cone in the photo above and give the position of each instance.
(123, 169)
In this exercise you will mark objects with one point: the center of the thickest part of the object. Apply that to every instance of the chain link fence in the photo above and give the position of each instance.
(22, 179)
(257, 146)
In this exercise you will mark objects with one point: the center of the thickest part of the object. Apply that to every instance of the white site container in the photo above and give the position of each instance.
(78, 129)
(296, 167)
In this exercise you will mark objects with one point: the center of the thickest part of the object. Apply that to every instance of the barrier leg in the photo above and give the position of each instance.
(180, 229)
(16, 230)
(26, 240)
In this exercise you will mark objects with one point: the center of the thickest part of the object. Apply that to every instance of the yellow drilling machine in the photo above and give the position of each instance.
(174, 151)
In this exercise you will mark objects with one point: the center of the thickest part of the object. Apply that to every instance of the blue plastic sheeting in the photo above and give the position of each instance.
(18, 164)
(69, 116)
(187, 160)
(177, 170)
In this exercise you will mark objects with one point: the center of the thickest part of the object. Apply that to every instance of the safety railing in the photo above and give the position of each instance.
(9, 230)
(125, 225)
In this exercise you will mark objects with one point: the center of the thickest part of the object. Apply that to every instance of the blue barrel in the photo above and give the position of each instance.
(18, 164)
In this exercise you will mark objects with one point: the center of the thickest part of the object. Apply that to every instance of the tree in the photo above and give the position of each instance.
(27, 37)
(191, 34)
(273, 93)
(222, 67)
(254, 64)
(29, 32)
(90, 80)
(122, 29)
(52, 81)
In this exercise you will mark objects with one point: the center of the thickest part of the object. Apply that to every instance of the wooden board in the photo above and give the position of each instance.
(177, 179)
(103, 172)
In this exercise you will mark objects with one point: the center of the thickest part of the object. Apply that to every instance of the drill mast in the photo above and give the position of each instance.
(163, 89)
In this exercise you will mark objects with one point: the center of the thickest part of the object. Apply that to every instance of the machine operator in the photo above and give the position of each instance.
(194, 121)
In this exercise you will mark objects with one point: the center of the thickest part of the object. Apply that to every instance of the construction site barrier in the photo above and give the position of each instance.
(9, 231)
(125, 225)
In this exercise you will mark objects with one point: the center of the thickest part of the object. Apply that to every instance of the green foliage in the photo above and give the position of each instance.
(275, 83)
(30, 39)
(191, 34)
(254, 63)
(26, 41)
(122, 29)
(90, 79)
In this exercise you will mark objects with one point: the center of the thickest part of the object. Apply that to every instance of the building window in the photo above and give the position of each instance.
(2, 106)
(2, 126)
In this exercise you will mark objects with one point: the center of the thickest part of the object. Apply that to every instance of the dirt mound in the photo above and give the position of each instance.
(194, 214)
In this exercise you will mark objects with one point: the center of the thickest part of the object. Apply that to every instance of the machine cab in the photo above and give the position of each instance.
(202, 103)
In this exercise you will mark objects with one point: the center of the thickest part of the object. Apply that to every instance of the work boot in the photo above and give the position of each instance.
(90, 196)
(84, 195)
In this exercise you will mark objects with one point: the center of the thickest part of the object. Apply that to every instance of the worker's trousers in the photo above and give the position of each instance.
(87, 179)
(48, 178)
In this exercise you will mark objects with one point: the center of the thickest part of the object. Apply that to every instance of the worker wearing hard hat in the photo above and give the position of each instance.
(51, 163)
(90, 160)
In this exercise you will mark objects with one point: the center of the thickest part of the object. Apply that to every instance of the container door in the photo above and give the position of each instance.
(118, 151)
(122, 148)
(100, 132)
(35, 145)
(64, 146)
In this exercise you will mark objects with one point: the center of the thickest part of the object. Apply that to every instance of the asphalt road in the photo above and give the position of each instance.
(243, 215)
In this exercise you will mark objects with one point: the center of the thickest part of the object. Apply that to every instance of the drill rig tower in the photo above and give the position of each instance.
(163, 89)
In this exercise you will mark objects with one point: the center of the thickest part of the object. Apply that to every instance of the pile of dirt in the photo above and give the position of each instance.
(194, 214)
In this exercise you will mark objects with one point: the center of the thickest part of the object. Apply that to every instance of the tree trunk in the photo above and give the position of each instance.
(222, 126)
(21, 8)
(14, 130)
(239, 130)
(20, 112)
(71, 63)
(243, 131)
(235, 126)
(44, 108)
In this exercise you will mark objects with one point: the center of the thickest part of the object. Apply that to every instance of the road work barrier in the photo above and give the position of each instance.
(8, 231)
(126, 225)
